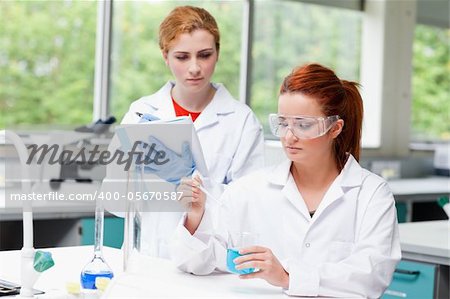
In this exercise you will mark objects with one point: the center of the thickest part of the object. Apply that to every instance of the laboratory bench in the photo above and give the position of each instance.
(58, 223)
(69, 262)
(413, 192)
(427, 188)
(423, 272)
(154, 278)
(54, 225)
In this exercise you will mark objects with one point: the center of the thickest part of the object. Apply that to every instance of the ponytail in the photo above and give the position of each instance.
(349, 140)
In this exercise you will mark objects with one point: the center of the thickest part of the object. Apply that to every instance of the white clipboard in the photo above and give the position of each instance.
(170, 133)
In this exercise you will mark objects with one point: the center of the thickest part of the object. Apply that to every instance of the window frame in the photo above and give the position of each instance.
(386, 69)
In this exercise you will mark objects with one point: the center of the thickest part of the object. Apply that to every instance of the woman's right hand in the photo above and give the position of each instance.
(194, 200)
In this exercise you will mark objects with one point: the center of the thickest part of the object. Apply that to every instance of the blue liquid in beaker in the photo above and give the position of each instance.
(88, 279)
(231, 255)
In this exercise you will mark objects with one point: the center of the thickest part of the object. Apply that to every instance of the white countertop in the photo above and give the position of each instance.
(69, 261)
(157, 278)
(420, 186)
(427, 241)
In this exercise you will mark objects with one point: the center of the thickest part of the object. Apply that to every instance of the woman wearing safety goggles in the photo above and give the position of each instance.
(326, 226)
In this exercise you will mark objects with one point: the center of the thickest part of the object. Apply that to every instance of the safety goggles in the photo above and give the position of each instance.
(303, 127)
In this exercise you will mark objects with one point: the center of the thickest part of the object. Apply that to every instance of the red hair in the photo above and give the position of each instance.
(336, 97)
(186, 19)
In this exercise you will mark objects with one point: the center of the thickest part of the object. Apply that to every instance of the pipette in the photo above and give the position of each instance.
(203, 179)
(209, 194)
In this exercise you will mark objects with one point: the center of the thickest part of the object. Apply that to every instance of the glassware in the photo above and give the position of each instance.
(236, 241)
(98, 266)
(133, 218)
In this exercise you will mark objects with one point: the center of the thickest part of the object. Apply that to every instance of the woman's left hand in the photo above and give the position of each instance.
(270, 268)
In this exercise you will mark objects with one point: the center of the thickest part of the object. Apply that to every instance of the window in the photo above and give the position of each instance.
(430, 119)
(47, 53)
(296, 33)
(137, 66)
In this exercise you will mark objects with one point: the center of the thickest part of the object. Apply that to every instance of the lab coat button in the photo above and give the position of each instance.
(307, 244)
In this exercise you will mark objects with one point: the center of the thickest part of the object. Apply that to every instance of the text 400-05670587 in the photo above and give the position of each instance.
(138, 195)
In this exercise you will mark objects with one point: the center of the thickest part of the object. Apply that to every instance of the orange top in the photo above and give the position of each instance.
(180, 111)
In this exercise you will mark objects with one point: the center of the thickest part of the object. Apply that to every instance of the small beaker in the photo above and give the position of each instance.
(237, 241)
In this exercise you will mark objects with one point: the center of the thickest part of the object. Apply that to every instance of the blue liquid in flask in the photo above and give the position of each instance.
(88, 279)
(97, 267)
(231, 255)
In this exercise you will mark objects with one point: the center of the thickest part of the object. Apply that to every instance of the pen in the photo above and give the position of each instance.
(146, 116)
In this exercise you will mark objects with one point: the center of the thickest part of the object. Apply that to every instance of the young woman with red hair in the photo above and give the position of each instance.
(326, 226)
(230, 135)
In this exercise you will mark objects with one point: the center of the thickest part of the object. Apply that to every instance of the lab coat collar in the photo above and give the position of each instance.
(161, 103)
(350, 177)
(222, 103)
(352, 173)
(279, 175)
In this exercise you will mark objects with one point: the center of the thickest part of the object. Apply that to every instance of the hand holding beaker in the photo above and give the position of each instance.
(269, 267)
(236, 242)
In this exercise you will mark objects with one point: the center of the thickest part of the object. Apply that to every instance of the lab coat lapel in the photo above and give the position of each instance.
(222, 103)
(333, 194)
(162, 102)
(350, 177)
(282, 176)
(290, 191)
(207, 118)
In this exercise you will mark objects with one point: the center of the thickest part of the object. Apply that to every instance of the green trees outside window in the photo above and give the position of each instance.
(296, 33)
(430, 115)
(47, 57)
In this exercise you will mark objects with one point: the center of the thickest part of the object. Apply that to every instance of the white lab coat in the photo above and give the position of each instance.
(349, 248)
(232, 142)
